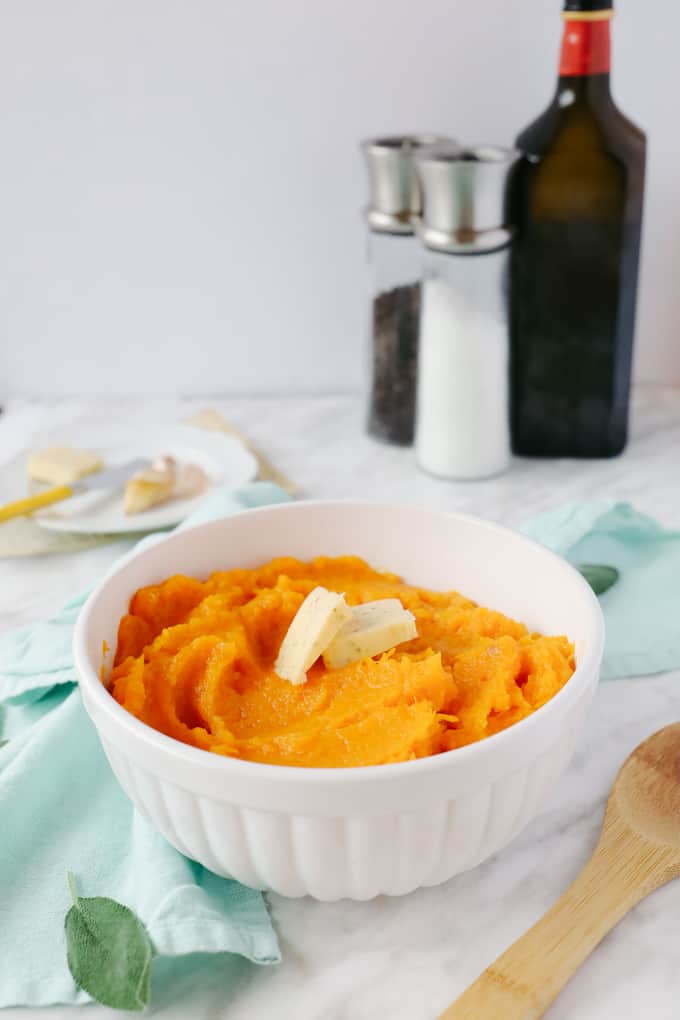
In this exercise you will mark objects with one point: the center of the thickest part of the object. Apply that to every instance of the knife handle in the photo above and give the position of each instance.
(21, 507)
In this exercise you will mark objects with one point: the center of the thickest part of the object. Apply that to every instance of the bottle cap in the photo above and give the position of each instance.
(395, 202)
(464, 197)
(587, 6)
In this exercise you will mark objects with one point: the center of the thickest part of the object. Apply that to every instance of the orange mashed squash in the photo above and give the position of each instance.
(195, 660)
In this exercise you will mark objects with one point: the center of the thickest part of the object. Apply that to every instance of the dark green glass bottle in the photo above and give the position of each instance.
(576, 200)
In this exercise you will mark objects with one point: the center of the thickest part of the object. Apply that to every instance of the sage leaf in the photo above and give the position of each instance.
(108, 950)
(3, 742)
(599, 577)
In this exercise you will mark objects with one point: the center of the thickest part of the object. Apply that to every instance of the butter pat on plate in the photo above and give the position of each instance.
(62, 465)
(150, 487)
(164, 480)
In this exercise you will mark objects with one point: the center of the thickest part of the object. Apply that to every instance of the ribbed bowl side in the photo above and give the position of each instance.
(357, 856)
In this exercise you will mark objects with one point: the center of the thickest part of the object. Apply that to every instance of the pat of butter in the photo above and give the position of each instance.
(314, 626)
(374, 627)
(61, 465)
(150, 487)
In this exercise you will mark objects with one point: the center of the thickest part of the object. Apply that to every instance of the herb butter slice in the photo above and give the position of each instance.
(375, 627)
(322, 614)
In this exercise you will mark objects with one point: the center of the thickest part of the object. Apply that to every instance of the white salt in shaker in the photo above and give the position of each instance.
(462, 407)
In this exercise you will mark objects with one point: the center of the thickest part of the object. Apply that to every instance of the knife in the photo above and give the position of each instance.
(109, 478)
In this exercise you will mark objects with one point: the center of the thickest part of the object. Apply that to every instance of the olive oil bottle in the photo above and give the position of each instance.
(576, 200)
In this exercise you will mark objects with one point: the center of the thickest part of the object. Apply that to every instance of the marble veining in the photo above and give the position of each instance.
(406, 958)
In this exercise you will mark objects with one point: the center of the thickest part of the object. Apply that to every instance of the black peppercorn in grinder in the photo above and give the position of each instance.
(394, 257)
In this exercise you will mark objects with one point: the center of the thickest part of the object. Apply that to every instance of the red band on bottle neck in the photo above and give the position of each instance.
(586, 48)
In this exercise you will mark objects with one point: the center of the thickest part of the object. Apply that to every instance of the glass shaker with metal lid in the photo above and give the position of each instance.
(462, 418)
(394, 257)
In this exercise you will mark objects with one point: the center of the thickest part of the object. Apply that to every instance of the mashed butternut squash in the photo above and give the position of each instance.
(195, 661)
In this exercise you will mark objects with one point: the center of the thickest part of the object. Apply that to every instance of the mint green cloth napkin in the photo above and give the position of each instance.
(642, 610)
(61, 810)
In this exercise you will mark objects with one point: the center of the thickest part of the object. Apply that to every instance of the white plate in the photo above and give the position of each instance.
(223, 458)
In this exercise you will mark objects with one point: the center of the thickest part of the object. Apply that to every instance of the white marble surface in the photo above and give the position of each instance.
(407, 958)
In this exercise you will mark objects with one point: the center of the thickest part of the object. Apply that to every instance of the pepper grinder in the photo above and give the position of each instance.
(394, 299)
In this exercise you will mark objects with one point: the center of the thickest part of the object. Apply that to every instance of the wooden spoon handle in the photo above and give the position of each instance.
(526, 979)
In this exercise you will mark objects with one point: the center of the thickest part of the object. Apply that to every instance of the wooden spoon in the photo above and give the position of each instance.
(638, 851)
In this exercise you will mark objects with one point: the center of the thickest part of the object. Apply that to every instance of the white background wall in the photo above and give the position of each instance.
(180, 183)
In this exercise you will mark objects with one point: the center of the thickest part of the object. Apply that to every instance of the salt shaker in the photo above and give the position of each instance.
(394, 258)
(462, 418)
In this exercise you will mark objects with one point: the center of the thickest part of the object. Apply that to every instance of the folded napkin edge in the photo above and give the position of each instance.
(211, 938)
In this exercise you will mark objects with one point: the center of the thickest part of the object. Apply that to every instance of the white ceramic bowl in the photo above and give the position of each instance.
(356, 832)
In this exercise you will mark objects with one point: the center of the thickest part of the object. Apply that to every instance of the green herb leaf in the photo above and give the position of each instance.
(599, 577)
(108, 950)
(3, 742)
